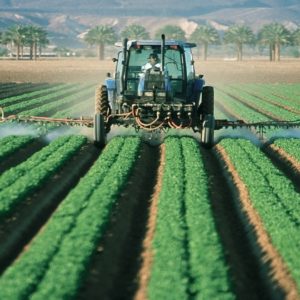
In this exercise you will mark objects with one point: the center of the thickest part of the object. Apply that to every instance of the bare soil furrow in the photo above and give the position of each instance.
(274, 274)
(244, 268)
(114, 270)
(28, 217)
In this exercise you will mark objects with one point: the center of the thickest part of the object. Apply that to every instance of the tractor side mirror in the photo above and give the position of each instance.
(114, 59)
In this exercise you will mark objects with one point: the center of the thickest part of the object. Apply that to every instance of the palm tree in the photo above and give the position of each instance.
(274, 35)
(135, 31)
(100, 36)
(35, 38)
(16, 36)
(171, 32)
(296, 37)
(205, 35)
(239, 35)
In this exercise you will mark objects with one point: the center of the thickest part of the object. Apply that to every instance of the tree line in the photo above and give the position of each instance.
(21, 36)
(272, 35)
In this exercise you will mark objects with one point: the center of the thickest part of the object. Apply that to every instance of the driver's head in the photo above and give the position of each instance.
(153, 58)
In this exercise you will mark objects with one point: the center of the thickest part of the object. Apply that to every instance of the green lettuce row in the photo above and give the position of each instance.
(72, 99)
(188, 257)
(169, 272)
(258, 103)
(265, 92)
(22, 88)
(29, 175)
(274, 198)
(56, 261)
(13, 174)
(207, 262)
(23, 105)
(239, 108)
(290, 146)
(12, 143)
(287, 92)
(37, 93)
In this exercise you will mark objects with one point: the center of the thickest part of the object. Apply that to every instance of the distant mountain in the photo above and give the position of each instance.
(68, 19)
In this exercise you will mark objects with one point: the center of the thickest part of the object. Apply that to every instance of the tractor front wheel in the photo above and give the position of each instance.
(207, 133)
(99, 131)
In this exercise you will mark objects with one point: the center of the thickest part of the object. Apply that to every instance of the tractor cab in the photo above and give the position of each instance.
(172, 80)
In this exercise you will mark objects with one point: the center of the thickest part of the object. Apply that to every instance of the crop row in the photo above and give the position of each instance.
(30, 95)
(237, 108)
(12, 143)
(53, 96)
(21, 88)
(55, 263)
(18, 182)
(287, 99)
(273, 196)
(290, 146)
(188, 257)
(259, 104)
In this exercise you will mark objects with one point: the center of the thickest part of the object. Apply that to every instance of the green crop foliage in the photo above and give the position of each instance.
(55, 263)
(17, 182)
(188, 257)
(289, 145)
(12, 143)
(274, 198)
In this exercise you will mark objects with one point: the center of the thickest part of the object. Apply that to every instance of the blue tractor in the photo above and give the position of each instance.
(167, 94)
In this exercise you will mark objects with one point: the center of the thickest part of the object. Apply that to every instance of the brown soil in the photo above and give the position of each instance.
(115, 267)
(94, 71)
(272, 264)
(147, 254)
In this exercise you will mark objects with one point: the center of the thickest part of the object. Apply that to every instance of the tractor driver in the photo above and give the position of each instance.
(153, 64)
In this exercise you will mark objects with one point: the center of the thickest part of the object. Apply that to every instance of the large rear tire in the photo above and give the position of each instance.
(207, 101)
(101, 101)
(101, 112)
(207, 133)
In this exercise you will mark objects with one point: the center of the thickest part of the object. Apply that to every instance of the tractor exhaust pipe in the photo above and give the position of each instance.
(124, 65)
(163, 43)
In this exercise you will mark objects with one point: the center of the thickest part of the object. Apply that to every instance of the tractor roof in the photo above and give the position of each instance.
(182, 44)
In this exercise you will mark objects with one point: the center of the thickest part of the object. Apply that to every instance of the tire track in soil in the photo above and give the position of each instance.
(28, 218)
(115, 266)
(22, 154)
(244, 269)
(271, 272)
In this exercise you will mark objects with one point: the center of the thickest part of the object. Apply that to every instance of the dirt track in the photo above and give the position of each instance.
(94, 71)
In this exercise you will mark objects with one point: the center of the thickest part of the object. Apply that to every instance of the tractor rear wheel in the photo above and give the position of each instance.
(101, 101)
(101, 113)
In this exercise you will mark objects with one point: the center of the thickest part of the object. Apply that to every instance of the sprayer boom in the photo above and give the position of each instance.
(82, 121)
(257, 125)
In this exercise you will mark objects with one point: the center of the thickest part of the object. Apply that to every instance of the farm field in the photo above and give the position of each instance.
(145, 218)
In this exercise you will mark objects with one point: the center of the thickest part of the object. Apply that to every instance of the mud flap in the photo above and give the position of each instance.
(99, 130)
(207, 133)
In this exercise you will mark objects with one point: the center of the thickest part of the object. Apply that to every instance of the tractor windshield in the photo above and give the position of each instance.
(174, 65)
